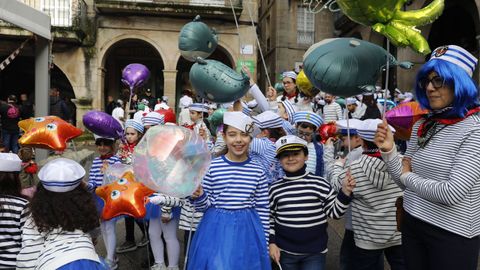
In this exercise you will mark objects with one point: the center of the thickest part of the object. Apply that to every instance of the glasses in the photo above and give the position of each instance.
(437, 82)
(304, 134)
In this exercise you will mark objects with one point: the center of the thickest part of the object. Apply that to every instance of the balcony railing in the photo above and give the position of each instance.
(63, 13)
(217, 8)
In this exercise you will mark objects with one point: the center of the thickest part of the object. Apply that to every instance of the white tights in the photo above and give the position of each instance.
(109, 237)
(169, 230)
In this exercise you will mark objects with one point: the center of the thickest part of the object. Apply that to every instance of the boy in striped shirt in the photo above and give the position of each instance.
(299, 206)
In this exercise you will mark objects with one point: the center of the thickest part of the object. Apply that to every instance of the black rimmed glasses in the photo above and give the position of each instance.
(437, 82)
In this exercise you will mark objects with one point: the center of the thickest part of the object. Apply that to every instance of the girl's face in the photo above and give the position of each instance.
(131, 135)
(237, 144)
(293, 161)
(195, 116)
(289, 85)
(104, 149)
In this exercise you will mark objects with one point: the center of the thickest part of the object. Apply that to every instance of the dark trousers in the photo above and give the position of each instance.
(347, 250)
(428, 247)
(302, 262)
(366, 259)
(10, 140)
(130, 228)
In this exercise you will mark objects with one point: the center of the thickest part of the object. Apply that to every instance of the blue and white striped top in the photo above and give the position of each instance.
(13, 214)
(235, 185)
(95, 178)
(263, 151)
(444, 187)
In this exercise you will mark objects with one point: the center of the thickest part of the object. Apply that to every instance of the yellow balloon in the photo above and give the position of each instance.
(387, 18)
(304, 85)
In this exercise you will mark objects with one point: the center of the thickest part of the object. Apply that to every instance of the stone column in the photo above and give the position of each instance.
(84, 104)
(170, 88)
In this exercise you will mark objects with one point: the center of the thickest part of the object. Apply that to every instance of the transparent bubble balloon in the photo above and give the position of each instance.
(171, 160)
(114, 172)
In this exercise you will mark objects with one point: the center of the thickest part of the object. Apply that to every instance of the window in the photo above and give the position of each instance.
(305, 26)
(60, 12)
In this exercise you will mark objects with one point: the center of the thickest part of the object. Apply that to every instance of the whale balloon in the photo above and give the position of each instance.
(346, 66)
(197, 40)
(217, 82)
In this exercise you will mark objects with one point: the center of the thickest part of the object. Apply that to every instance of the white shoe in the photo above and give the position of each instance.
(158, 266)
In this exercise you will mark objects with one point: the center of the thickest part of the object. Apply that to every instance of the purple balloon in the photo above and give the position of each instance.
(135, 75)
(102, 124)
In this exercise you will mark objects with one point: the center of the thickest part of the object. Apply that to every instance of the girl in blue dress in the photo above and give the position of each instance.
(234, 198)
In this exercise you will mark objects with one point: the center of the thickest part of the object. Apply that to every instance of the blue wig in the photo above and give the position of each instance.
(465, 89)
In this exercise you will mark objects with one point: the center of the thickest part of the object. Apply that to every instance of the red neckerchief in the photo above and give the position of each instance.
(189, 126)
(289, 96)
(107, 156)
(445, 121)
(128, 147)
(373, 154)
(30, 167)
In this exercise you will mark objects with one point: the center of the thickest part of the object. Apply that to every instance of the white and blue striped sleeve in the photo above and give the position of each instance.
(464, 174)
(262, 203)
(203, 202)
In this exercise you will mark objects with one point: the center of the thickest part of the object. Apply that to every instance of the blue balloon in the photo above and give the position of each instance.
(197, 40)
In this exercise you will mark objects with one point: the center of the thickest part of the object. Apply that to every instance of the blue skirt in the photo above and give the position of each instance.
(83, 264)
(155, 211)
(229, 239)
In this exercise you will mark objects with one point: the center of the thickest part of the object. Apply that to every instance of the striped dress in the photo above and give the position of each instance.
(299, 208)
(13, 214)
(54, 249)
(373, 207)
(235, 186)
(444, 187)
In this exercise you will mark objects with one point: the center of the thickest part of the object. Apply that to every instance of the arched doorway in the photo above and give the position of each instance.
(183, 70)
(462, 33)
(126, 52)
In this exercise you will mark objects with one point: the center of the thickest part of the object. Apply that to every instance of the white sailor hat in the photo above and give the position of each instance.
(10, 162)
(289, 74)
(98, 137)
(153, 119)
(289, 109)
(308, 117)
(61, 175)
(289, 143)
(238, 120)
(268, 119)
(367, 129)
(353, 125)
(198, 107)
(456, 55)
(135, 124)
(351, 101)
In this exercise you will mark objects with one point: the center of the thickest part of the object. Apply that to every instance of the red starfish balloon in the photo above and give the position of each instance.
(49, 132)
(124, 197)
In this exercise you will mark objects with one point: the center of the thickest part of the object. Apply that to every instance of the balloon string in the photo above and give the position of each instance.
(386, 79)
(148, 238)
(259, 47)
(189, 239)
(238, 31)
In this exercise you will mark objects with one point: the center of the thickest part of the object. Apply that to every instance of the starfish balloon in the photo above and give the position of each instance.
(49, 132)
(124, 197)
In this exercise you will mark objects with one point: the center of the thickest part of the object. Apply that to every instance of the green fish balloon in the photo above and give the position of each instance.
(387, 18)
(346, 66)
(217, 82)
(197, 40)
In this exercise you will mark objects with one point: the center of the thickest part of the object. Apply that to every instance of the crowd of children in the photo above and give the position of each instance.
(269, 190)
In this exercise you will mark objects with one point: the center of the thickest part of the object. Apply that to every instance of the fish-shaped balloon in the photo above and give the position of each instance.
(197, 40)
(346, 66)
(217, 82)
(51, 132)
(102, 124)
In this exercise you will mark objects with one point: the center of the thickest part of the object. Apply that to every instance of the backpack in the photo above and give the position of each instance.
(13, 112)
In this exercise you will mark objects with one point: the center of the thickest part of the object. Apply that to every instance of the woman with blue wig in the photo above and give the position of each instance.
(440, 172)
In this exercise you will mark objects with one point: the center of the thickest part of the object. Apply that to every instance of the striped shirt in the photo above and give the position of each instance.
(444, 187)
(263, 151)
(53, 250)
(332, 112)
(95, 179)
(235, 185)
(373, 206)
(13, 214)
(189, 219)
(299, 207)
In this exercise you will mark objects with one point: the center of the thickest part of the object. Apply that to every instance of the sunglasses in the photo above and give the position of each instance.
(437, 82)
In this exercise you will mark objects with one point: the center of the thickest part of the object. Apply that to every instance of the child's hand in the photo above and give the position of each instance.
(271, 93)
(197, 193)
(157, 199)
(348, 184)
(202, 133)
(274, 252)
